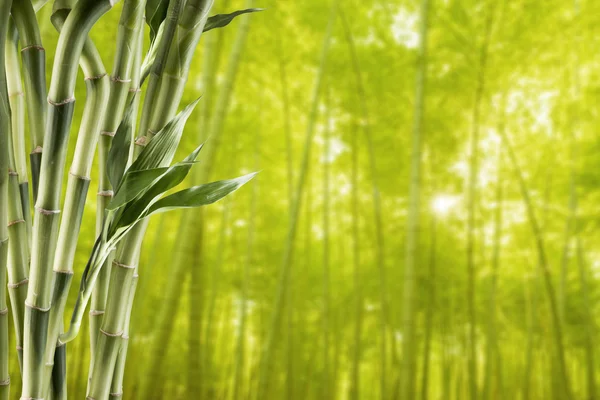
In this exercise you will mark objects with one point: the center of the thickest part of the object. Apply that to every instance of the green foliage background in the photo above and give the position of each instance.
(541, 84)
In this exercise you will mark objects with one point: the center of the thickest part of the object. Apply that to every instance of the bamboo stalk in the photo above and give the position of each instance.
(34, 63)
(326, 379)
(45, 228)
(5, 6)
(268, 347)
(18, 253)
(409, 357)
(128, 41)
(77, 188)
(240, 360)
(377, 209)
(16, 99)
(564, 386)
(492, 335)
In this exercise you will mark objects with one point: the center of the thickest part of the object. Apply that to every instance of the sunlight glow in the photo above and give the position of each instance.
(405, 28)
(443, 203)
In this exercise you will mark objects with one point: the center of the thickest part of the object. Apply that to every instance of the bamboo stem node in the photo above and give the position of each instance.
(116, 334)
(118, 79)
(106, 193)
(95, 77)
(5, 382)
(34, 46)
(42, 309)
(108, 133)
(85, 178)
(62, 102)
(96, 312)
(4, 311)
(15, 222)
(20, 283)
(43, 211)
(118, 264)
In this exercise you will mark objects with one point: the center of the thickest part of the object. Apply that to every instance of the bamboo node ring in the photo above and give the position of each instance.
(4, 311)
(36, 307)
(17, 284)
(117, 334)
(43, 211)
(62, 102)
(118, 264)
(15, 222)
(95, 77)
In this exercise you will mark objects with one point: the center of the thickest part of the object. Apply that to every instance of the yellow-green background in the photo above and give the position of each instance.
(539, 83)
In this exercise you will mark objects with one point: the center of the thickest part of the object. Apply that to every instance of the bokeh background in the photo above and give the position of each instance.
(321, 279)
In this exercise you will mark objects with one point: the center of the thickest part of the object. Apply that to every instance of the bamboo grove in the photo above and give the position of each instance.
(424, 224)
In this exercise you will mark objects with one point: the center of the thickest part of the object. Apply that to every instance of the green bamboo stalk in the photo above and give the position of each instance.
(118, 376)
(472, 196)
(128, 38)
(34, 64)
(45, 228)
(268, 347)
(409, 357)
(431, 302)
(77, 187)
(18, 253)
(377, 212)
(17, 108)
(492, 335)
(5, 6)
(240, 362)
(590, 353)
(564, 386)
(326, 379)
(355, 384)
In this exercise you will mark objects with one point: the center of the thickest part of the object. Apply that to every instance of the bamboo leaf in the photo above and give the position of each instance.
(161, 149)
(221, 20)
(199, 195)
(118, 156)
(138, 201)
(156, 12)
(134, 183)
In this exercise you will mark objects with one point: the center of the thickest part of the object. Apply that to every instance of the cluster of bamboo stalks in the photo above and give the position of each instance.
(37, 249)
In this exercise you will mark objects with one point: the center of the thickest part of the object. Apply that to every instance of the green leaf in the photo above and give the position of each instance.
(161, 149)
(199, 195)
(134, 183)
(151, 55)
(156, 12)
(118, 155)
(139, 200)
(221, 20)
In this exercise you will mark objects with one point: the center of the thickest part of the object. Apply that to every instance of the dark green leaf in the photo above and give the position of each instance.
(199, 195)
(118, 156)
(172, 177)
(135, 183)
(221, 20)
(156, 12)
(161, 149)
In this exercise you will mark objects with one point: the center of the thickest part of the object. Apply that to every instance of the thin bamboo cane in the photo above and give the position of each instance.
(268, 346)
(17, 109)
(128, 40)
(564, 386)
(408, 389)
(492, 335)
(34, 63)
(4, 197)
(326, 378)
(240, 361)
(45, 228)
(77, 188)
(118, 376)
(18, 254)
(377, 212)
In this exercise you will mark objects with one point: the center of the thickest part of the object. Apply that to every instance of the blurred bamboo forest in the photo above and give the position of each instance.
(425, 223)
